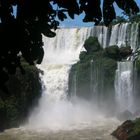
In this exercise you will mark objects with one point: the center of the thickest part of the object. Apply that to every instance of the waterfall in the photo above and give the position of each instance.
(74, 86)
(54, 110)
(61, 52)
(57, 117)
(125, 34)
(96, 81)
(119, 34)
(91, 78)
(124, 85)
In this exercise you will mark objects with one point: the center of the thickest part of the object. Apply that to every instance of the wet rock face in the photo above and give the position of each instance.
(123, 131)
(125, 51)
(129, 130)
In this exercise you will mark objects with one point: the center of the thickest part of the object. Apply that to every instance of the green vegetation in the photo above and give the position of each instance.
(93, 76)
(114, 52)
(134, 18)
(92, 44)
(124, 19)
(119, 20)
(128, 130)
(135, 132)
(94, 68)
(24, 92)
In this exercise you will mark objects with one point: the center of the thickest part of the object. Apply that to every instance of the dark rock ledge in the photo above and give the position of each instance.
(129, 130)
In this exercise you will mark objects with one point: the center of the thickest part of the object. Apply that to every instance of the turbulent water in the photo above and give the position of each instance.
(56, 117)
(100, 132)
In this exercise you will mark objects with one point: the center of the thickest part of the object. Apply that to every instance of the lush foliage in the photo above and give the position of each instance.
(22, 35)
(93, 76)
(24, 92)
(92, 44)
(135, 132)
(129, 130)
(117, 53)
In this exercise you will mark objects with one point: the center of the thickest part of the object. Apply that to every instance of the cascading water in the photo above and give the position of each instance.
(124, 85)
(61, 52)
(125, 34)
(96, 81)
(74, 87)
(55, 112)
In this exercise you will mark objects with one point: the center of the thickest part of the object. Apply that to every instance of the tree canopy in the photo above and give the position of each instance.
(22, 35)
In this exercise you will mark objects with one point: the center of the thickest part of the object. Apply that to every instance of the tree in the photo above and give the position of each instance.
(119, 19)
(22, 36)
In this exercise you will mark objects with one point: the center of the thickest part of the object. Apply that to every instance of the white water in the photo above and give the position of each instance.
(124, 84)
(55, 111)
(121, 35)
(63, 51)
(57, 118)
(125, 34)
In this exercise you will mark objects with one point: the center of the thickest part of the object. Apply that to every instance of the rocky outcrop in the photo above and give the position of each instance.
(117, 53)
(129, 130)
(125, 52)
(92, 78)
(92, 44)
(96, 67)
(24, 92)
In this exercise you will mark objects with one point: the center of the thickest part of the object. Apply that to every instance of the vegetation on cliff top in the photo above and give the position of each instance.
(92, 77)
(88, 75)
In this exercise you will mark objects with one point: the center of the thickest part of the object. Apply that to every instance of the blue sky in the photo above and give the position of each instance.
(78, 19)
